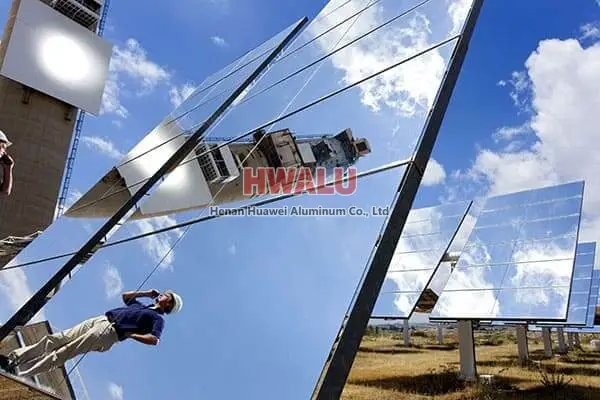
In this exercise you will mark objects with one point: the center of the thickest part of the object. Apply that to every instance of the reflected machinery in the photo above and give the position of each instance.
(213, 175)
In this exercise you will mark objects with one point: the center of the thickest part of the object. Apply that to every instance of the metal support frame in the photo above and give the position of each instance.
(43, 295)
(547, 339)
(522, 345)
(406, 333)
(344, 349)
(562, 347)
(466, 350)
(440, 334)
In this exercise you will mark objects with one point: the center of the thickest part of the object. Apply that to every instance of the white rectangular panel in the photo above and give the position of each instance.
(56, 56)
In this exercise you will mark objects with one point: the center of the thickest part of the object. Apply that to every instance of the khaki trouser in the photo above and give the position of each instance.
(52, 351)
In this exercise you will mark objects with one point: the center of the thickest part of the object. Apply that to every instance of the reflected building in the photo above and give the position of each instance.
(39, 100)
(56, 381)
(213, 174)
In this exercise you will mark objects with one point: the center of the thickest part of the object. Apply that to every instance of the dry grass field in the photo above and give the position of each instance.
(384, 369)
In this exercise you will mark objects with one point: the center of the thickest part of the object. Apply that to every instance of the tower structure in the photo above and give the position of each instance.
(52, 63)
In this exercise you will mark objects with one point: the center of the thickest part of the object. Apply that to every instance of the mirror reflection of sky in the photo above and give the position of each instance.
(264, 297)
(592, 325)
(519, 259)
(425, 239)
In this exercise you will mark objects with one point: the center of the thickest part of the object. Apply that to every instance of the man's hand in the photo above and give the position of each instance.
(153, 293)
(150, 340)
(8, 160)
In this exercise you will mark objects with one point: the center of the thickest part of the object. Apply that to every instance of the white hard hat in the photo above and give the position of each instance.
(177, 302)
(4, 139)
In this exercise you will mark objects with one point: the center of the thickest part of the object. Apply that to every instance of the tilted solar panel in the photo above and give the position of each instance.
(519, 259)
(424, 242)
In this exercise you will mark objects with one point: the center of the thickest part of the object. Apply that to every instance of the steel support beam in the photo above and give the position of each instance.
(522, 345)
(547, 338)
(344, 349)
(43, 295)
(406, 332)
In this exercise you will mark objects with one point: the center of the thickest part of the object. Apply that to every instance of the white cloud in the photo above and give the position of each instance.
(434, 173)
(232, 249)
(510, 132)
(565, 103)
(115, 391)
(458, 10)
(520, 89)
(16, 290)
(113, 284)
(104, 146)
(410, 88)
(157, 246)
(177, 94)
(130, 62)
(219, 41)
(591, 30)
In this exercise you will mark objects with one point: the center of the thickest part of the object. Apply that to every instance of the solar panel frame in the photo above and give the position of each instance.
(590, 326)
(457, 213)
(559, 199)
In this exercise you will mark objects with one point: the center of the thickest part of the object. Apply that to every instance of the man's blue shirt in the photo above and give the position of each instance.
(136, 318)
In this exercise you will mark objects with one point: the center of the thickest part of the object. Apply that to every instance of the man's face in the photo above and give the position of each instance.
(165, 301)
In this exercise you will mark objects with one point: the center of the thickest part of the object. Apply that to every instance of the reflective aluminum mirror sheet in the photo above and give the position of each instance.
(48, 252)
(265, 294)
(581, 286)
(519, 260)
(426, 237)
(593, 315)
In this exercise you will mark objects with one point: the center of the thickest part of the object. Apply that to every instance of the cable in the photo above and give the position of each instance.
(292, 113)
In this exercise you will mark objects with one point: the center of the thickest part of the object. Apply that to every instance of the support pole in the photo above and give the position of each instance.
(406, 332)
(562, 347)
(343, 352)
(522, 345)
(440, 334)
(547, 342)
(577, 341)
(466, 348)
(570, 341)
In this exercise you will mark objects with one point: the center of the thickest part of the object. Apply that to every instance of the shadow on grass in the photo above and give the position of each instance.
(434, 383)
(389, 351)
(572, 392)
(440, 347)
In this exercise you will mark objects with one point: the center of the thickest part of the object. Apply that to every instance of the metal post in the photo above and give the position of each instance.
(522, 345)
(406, 332)
(42, 296)
(547, 342)
(570, 341)
(577, 341)
(440, 334)
(336, 371)
(562, 348)
(466, 349)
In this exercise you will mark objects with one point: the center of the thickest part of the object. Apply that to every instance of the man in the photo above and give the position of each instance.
(142, 323)
(7, 165)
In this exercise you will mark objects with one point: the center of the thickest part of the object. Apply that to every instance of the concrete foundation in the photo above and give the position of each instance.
(440, 334)
(547, 338)
(562, 347)
(522, 345)
(406, 332)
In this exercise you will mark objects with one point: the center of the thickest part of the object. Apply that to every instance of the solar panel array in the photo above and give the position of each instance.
(425, 240)
(518, 262)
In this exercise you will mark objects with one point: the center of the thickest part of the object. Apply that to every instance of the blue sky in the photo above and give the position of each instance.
(264, 297)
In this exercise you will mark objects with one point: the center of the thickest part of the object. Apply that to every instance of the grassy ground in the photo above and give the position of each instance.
(384, 369)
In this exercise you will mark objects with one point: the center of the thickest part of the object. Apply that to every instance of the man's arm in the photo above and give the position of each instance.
(129, 296)
(148, 339)
(7, 182)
